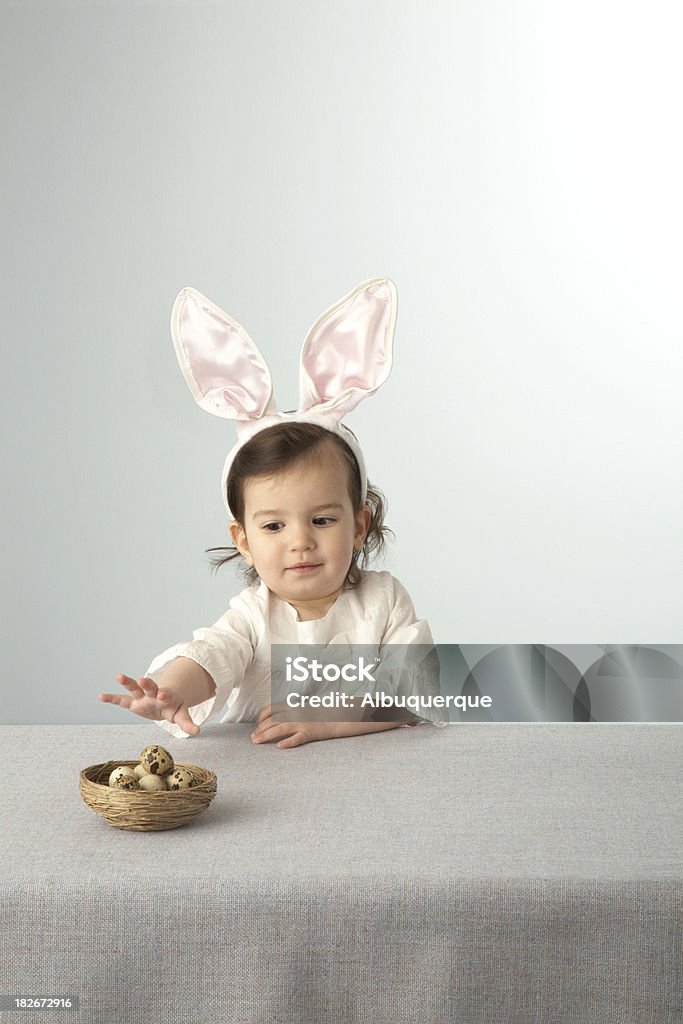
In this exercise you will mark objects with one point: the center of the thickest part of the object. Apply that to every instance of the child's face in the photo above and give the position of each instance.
(302, 517)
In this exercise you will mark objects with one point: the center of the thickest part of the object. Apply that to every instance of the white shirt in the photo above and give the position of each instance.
(236, 650)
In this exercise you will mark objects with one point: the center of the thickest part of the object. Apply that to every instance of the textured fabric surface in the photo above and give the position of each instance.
(474, 874)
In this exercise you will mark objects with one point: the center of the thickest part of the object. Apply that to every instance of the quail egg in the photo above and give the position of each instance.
(122, 771)
(156, 760)
(126, 782)
(152, 783)
(181, 779)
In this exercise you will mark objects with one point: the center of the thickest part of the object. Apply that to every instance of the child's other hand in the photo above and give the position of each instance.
(290, 734)
(270, 727)
(146, 699)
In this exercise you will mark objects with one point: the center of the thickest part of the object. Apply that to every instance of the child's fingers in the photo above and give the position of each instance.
(130, 684)
(148, 686)
(297, 740)
(264, 723)
(266, 713)
(122, 699)
(268, 733)
(270, 711)
(183, 719)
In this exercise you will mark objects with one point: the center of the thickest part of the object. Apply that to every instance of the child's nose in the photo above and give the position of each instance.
(302, 537)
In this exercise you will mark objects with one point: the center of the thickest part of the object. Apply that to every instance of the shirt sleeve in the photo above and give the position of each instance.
(403, 625)
(410, 661)
(225, 650)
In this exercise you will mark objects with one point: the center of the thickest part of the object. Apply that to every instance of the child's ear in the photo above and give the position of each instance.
(363, 520)
(239, 539)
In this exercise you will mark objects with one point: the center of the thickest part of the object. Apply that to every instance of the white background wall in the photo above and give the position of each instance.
(514, 166)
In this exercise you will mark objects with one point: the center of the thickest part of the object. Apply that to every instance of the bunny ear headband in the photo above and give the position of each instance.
(347, 355)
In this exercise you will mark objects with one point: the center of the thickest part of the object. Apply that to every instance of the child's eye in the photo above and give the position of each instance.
(324, 520)
(272, 527)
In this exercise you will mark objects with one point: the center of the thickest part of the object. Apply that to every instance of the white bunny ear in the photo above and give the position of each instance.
(347, 353)
(224, 370)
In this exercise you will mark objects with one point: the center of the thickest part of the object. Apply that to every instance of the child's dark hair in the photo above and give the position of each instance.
(277, 448)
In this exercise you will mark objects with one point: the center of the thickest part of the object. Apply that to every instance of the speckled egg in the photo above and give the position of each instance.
(181, 779)
(156, 760)
(152, 783)
(126, 782)
(120, 772)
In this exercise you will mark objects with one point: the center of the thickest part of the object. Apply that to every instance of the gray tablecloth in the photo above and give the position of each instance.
(473, 874)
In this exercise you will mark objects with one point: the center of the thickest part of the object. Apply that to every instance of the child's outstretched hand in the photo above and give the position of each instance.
(146, 699)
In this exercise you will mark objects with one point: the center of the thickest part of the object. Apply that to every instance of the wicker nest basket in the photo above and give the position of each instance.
(145, 812)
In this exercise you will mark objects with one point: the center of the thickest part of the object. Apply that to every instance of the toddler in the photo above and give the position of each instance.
(304, 519)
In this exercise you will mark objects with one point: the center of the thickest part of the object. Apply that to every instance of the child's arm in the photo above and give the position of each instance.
(271, 728)
(182, 684)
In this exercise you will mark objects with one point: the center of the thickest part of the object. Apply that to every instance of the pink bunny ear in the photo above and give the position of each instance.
(224, 370)
(347, 354)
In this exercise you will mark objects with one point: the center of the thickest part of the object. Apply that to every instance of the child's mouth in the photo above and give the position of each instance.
(303, 569)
